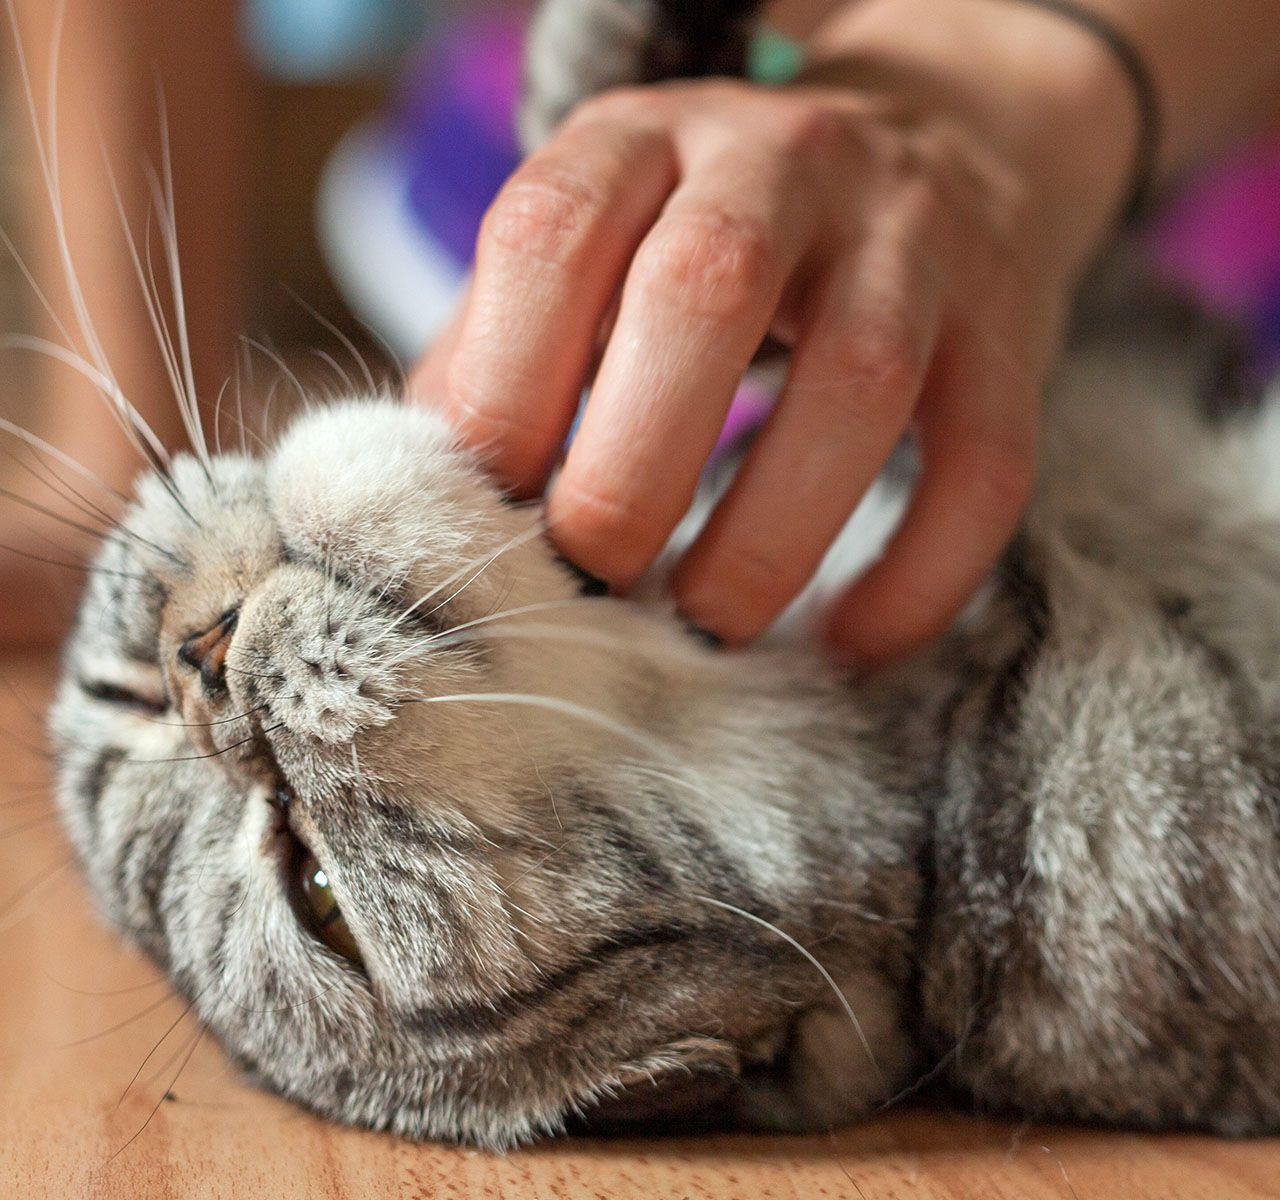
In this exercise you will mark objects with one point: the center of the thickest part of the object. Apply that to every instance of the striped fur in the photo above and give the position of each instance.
(600, 873)
(1042, 857)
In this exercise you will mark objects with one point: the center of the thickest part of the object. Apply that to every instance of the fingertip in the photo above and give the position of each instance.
(874, 626)
(718, 600)
(600, 534)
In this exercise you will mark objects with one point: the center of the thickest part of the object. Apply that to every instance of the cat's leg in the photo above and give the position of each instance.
(1103, 943)
(577, 48)
(838, 1062)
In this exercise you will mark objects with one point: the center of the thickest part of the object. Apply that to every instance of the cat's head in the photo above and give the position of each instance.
(410, 822)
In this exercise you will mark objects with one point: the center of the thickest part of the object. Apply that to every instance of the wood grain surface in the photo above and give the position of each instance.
(108, 1090)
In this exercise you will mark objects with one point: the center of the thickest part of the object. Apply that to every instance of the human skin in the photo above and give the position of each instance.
(911, 215)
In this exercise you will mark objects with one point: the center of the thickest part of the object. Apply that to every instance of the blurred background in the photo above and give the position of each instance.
(331, 163)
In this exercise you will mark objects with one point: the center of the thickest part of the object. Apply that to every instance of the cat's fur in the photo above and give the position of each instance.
(581, 852)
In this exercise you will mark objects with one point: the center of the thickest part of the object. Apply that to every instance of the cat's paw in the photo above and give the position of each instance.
(840, 1063)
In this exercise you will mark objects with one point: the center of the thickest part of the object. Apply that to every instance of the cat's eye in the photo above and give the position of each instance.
(319, 909)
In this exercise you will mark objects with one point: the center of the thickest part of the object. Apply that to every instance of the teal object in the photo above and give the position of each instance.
(304, 40)
(773, 58)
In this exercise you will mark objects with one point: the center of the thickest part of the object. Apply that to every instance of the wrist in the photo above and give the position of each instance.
(1043, 95)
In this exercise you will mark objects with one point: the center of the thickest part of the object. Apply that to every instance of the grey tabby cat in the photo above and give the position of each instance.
(435, 844)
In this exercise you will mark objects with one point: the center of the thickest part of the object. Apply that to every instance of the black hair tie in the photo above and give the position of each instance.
(1140, 78)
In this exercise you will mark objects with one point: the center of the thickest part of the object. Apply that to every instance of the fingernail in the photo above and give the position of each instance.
(714, 641)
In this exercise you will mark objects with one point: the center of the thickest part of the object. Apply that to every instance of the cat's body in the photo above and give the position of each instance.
(591, 866)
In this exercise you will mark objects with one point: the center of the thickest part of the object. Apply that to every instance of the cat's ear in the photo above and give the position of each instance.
(684, 1086)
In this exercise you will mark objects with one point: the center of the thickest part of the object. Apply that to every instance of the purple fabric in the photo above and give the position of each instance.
(453, 127)
(1221, 237)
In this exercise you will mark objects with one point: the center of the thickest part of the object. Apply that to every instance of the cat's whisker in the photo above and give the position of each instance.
(96, 367)
(27, 826)
(556, 704)
(346, 342)
(138, 762)
(142, 438)
(41, 296)
(665, 650)
(158, 981)
(61, 518)
(162, 188)
(332, 363)
(150, 295)
(168, 998)
(82, 567)
(47, 477)
(187, 1009)
(201, 1030)
(817, 966)
(521, 610)
(286, 372)
(207, 724)
(252, 674)
(484, 561)
(110, 522)
(96, 533)
(11, 909)
(391, 355)
(513, 543)
(217, 416)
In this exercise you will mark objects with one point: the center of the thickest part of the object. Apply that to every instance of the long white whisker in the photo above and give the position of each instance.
(288, 374)
(137, 430)
(511, 544)
(103, 383)
(36, 290)
(38, 443)
(347, 343)
(146, 285)
(674, 651)
(332, 363)
(540, 606)
(44, 474)
(817, 966)
(169, 229)
(555, 704)
(537, 529)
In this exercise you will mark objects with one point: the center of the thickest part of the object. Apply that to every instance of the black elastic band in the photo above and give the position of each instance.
(1147, 152)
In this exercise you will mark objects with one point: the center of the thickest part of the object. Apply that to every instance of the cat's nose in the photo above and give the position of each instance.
(207, 652)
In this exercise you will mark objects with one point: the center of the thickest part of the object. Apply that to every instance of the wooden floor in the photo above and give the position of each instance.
(98, 1097)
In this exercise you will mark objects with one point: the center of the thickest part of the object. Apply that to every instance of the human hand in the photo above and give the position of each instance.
(910, 217)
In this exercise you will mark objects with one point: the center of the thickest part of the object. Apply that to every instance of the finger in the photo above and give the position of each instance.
(552, 251)
(854, 381)
(977, 441)
(697, 303)
(427, 379)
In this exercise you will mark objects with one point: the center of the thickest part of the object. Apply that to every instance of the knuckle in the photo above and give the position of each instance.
(812, 129)
(545, 213)
(711, 264)
(1000, 476)
(624, 103)
(926, 202)
(875, 368)
(468, 401)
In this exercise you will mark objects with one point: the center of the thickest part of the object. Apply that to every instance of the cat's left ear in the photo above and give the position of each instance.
(681, 1087)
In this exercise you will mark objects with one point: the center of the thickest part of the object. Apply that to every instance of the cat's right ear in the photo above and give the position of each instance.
(685, 1087)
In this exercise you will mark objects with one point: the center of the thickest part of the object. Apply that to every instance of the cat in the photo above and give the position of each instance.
(436, 843)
